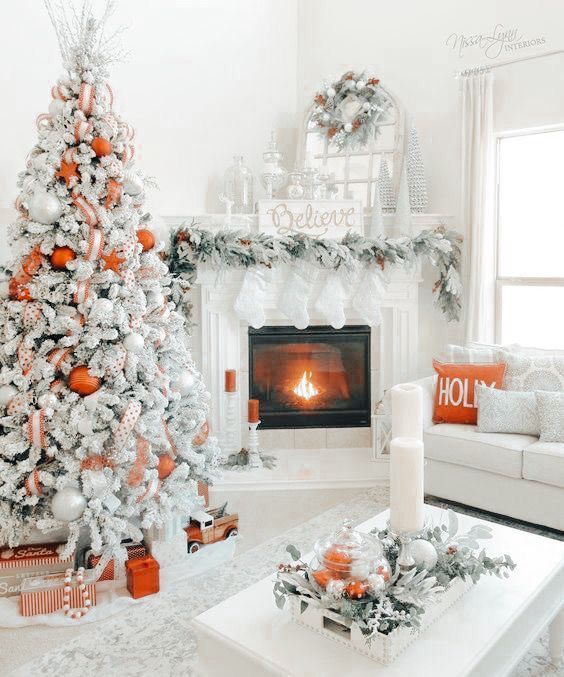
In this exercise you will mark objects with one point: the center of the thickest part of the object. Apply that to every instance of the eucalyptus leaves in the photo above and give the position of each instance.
(225, 249)
(402, 603)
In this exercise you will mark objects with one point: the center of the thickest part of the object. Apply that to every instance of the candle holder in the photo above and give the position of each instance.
(254, 456)
(405, 560)
(231, 442)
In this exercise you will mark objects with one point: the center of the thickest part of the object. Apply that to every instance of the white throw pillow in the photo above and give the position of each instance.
(551, 416)
(517, 348)
(503, 411)
(530, 372)
(462, 355)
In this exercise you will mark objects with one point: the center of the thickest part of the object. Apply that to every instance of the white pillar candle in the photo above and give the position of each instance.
(407, 411)
(406, 485)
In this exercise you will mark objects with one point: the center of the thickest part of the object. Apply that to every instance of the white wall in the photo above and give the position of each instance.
(403, 43)
(204, 80)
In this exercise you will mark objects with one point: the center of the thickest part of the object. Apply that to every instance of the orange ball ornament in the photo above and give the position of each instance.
(166, 466)
(323, 576)
(101, 146)
(82, 382)
(356, 589)
(61, 256)
(146, 238)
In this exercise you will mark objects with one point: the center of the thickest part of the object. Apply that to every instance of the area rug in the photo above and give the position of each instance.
(156, 638)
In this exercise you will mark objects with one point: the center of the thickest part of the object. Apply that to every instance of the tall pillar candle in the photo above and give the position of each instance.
(407, 411)
(406, 485)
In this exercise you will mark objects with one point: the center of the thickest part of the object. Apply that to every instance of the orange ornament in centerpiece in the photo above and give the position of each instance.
(61, 256)
(82, 382)
(101, 146)
(146, 239)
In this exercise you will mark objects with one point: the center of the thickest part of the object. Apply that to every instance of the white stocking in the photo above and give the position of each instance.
(331, 300)
(367, 299)
(296, 292)
(249, 304)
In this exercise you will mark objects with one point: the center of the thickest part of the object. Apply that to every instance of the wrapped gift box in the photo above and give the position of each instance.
(142, 576)
(134, 551)
(25, 561)
(44, 594)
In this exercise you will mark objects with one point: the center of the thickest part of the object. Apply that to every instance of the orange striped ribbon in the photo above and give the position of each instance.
(86, 98)
(82, 129)
(87, 209)
(151, 490)
(36, 429)
(58, 356)
(60, 92)
(42, 118)
(82, 291)
(32, 484)
(113, 194)
(95, 244)
(137, 471)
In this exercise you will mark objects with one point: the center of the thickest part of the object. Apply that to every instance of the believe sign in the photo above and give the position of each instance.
(316, 218)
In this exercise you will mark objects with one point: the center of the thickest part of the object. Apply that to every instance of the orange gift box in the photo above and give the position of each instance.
(134, 551)
(44, 594)
(142, 576)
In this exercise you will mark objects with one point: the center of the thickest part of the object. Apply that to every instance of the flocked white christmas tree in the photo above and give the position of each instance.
(102, 412)
(416, 174)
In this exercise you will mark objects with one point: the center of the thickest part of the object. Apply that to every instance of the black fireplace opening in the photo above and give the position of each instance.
(311, 378)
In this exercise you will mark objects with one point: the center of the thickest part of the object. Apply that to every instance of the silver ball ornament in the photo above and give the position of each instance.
(184, 383)
(348, 127)
(133, 342)
(132, 183)
(47, 400)
(360, 85)
(335, 588)
(7, 394)
(68, 504)
(45, 208)
(424, 554)
(331, 92)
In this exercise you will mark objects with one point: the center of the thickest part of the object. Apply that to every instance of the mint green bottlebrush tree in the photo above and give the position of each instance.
(102, 411)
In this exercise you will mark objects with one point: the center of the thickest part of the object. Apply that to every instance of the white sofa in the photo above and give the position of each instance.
(509, 474)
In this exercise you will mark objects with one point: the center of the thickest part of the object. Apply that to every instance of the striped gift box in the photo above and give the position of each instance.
(44, 594)
(134, 551)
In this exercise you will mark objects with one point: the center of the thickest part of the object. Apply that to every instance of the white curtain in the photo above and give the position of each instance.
(478, 204)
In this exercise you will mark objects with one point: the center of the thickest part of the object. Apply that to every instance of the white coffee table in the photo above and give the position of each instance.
(484, 634)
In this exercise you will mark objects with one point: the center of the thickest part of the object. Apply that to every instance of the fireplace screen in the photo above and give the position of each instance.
(311, 378)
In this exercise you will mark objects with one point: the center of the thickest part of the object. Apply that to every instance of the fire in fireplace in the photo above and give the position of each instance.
(311, 378)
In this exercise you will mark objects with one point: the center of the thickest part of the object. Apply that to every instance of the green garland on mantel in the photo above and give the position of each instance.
(223, 249)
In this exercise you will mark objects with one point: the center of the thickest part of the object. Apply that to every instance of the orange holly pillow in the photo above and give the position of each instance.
(454, 392)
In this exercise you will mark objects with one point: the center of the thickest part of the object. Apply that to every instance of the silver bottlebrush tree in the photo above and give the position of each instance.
(102, 411)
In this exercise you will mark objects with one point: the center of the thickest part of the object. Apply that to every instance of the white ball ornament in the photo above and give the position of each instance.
(335, 588)
(360, 570)
(326, 117)
(7, 394)
(331, 92)
(366, 106)
(132, 183)
(56, 107)
(133, 342)
(102, 307)
(348, 127)
(184, 383)
(376, 583)
(47, 400)
(45, 208)
(155, 298)
(424, 554)
(91, 401)
(68, 504)
(360, 84)
(84, 426)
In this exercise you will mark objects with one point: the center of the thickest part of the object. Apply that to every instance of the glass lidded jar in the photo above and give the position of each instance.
(350, 564)
(273, 175)
(295, 189)
(238, 187)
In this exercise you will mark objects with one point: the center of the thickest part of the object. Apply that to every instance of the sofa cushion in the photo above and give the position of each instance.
(500, 453)
(544, 462)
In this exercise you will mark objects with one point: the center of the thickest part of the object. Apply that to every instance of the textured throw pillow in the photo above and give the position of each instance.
(551, 416)
(534, 372)
(462, 355)
(506, 411)
(454, 392)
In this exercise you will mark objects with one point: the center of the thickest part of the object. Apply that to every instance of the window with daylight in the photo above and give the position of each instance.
(530, 238)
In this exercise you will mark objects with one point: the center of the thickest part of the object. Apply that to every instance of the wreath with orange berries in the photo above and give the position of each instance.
(347, 111)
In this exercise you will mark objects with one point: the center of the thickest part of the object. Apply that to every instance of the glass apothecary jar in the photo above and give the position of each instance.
(295, 189)
(238, 187)
(350, 564)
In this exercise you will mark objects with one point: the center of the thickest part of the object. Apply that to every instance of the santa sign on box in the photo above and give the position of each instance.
(29, 560)
(316, 218)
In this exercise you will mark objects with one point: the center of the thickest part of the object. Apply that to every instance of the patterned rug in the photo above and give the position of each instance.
(156, 638)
